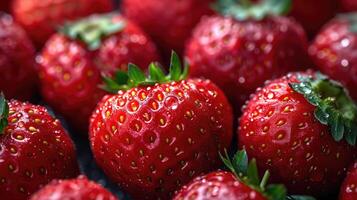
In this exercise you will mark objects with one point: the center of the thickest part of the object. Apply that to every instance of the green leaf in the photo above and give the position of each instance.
(121, 77)
(299, 197)
(227, 162)
(351, 136)
(156, 73)
(175, 67)
(240, 162)
(337, 127)
(4, 113)
(135, 74)
(321, 116)
(252, 173)
(276, 192)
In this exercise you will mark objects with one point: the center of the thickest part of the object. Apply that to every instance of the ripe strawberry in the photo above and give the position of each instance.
(157, 133)
(168, 22)
(333, 51)
(294, 127)
(72, 61)
(349, 5)
(313, 14)
(242, 183)
(74, 189)
(17, 60)
(34, 149)
(349, 186)
(239, 51)
(40, 18)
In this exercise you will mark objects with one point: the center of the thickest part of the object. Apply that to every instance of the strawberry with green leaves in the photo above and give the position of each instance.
(302, 127)
(158, 132)
(242, 182)
(245, 45)
(34, 149)
(73, 60)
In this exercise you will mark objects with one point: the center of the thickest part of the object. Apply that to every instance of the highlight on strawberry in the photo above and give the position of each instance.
(157, 132)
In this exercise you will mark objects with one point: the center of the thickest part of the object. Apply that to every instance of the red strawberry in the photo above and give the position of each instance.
(294, 127)
(240, 51)
(349, 5)
(157, 133)
(313, 14)
(72, 61)
(40, 18)
(168, 22)
(334, 51)
(349, 186)
(74, 189)
(17, 60)
(242, 184)
(34, 149)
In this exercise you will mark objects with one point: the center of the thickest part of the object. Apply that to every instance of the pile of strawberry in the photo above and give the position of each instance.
(178, 99)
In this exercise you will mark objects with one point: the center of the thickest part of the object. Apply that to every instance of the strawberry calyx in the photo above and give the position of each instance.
(247, 9)
(334, 107)
(4, 113)
(135, 77)
(91, 30)
(247, 172)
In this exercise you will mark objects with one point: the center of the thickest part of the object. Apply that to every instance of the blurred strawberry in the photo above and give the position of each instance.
(302, 128)
(334, 51)
(168, 22)
(40, 18)
(34, 149)
(313, 14)
(241, 49)
(72, 61)
(17, 60)
(73, 189)
(348, 5)
(5, 5)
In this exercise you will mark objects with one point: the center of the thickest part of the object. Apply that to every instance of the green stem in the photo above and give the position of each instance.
(264, 180)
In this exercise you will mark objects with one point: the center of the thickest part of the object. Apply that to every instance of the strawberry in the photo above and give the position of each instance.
(241, 183)
(74, 189)
(34, 149)
(168, 22)
(40, 18)
(304, 11)
(349, 186)
(158, 132)
(302, 127)
(348, 5)
(241, 49)
(72, 62)
(333, 51)
(17, 60)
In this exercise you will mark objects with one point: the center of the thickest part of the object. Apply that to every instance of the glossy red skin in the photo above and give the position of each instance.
(313, 14)
(240, 55)
(348, 5)
(70, 74)
(333, 52)
(349, 187)
(151, 140)
(41, 18)
(73, 189)
(17, 61)
(216, 186)
(168, 22)
(279, 129)
(34, 149)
